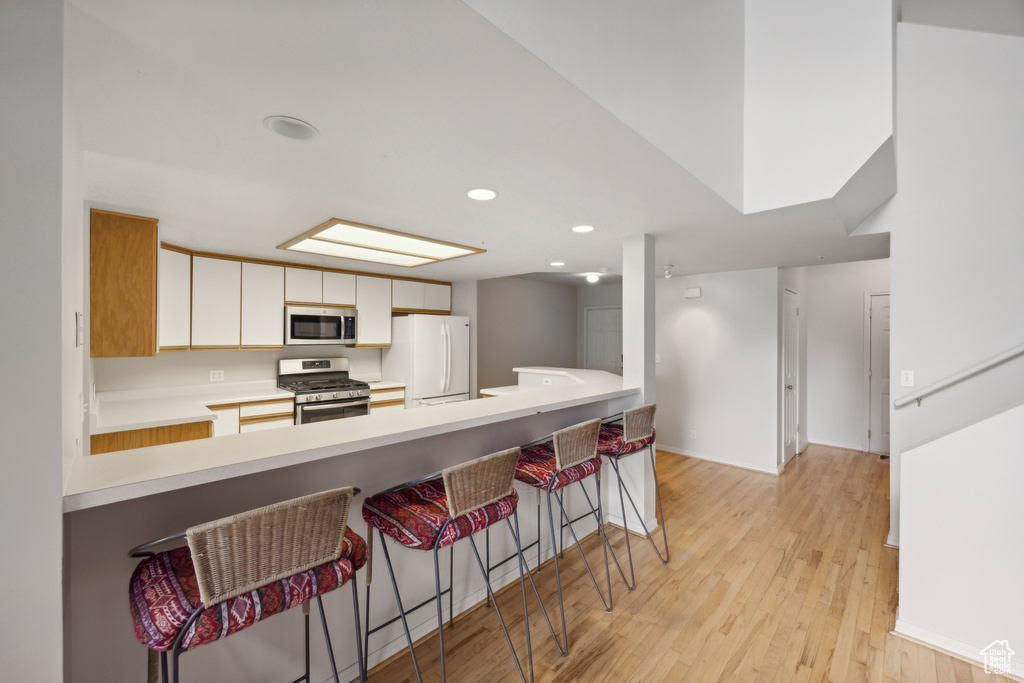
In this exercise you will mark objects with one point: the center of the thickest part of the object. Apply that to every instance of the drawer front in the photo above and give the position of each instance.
(274, 423)
(379, 395)
(269, 407)
(376, 408)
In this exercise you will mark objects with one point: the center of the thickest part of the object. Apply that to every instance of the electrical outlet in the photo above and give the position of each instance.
(216, 375)
(693, 433)
(657, 358)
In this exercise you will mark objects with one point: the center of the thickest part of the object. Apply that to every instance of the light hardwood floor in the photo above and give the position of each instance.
(771, 579)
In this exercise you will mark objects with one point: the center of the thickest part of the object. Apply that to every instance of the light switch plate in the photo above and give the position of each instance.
(906, 378)
(216, 375)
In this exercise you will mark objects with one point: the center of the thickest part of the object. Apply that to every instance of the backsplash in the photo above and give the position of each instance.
(187, 368)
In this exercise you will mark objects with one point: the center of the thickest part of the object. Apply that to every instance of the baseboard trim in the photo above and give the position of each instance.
(950, 646)
(700, 456)
(835, 444)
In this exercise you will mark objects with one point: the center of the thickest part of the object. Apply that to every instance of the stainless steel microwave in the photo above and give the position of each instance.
(319, 325)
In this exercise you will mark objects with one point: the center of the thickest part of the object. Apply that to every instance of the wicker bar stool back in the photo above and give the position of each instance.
(433, 513)
(263, 562)
(631, 432)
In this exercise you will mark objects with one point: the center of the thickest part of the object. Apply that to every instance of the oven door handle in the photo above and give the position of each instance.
(334, 406)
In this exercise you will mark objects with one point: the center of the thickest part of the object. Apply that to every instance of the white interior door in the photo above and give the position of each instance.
(602, 347)
(790, 374)
(878, 376)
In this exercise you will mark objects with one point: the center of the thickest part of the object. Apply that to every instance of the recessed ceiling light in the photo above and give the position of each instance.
(583, 228)
(482, 194)
(290, 127)
(593, 278)
(558, 264)
(345, 239)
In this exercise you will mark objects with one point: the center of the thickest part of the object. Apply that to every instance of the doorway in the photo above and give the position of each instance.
(878, 373)
(602, 343)
(790, 375)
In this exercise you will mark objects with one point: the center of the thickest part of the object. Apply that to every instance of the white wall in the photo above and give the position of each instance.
(718, 371)
(817, 96)
(962, 538)
(523, 322)
(188, 368)
(836, 381)
(593, 296)
(33, 338)
(957, 238)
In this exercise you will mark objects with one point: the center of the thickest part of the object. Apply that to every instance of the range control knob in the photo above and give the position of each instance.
(353, 393)
(319, 397)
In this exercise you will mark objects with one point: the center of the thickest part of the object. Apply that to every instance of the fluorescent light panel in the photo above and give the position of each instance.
(344, 239)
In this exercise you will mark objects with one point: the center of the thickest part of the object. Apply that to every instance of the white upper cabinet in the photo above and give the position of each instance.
(302, 285)
(216, 302)
(174, 299)
(421, 296)
(437, 297)
(406, 295)
(373, 305)
(339, 289)
(262, 305)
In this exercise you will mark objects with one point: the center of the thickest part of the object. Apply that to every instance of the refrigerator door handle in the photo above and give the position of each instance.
(447, 356)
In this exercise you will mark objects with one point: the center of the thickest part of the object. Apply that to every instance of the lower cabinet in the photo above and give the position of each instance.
(382, 400)
(252, 416)
(150, 436)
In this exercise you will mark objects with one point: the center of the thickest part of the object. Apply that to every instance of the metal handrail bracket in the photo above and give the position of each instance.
(949, 381)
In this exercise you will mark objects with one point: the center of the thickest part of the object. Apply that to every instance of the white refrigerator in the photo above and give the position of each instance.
(430, 354)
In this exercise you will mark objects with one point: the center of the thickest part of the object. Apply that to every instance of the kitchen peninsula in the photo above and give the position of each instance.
(116, 500)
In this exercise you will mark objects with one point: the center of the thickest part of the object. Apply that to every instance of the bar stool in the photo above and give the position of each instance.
(633, 433)
(239, 570)
(568, 456)
(432, 513)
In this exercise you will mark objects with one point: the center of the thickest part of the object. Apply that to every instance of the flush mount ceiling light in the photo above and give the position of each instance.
(345, 239)
(593, 278)
(482, 194)
(583, 228)
(290, 127)
(558, 264)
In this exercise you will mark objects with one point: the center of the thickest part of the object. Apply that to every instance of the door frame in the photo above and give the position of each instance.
(796, 385)
(586, 315)
(866, 422)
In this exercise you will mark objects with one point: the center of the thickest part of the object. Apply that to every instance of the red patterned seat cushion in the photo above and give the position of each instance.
(413, 515)
(163, 594)
(537, 468)
(612, 442)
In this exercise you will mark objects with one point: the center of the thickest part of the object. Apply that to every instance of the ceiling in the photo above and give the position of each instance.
(416, 103)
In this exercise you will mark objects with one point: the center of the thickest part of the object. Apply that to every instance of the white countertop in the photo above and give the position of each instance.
(381, 384)
(118, 411)
(123, 475)
(510, 389)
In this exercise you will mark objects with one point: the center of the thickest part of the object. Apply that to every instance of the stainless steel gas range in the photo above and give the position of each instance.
(323, 389)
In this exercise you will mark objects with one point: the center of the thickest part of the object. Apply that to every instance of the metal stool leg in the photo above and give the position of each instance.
(401, 608)
(440, 617)
(359, 638)
(327, 639)
(631, 584)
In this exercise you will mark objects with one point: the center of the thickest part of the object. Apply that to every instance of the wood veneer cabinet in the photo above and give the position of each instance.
(150, 436)
(122, 285)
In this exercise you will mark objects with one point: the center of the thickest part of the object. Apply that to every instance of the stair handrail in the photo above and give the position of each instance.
(975, 369)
